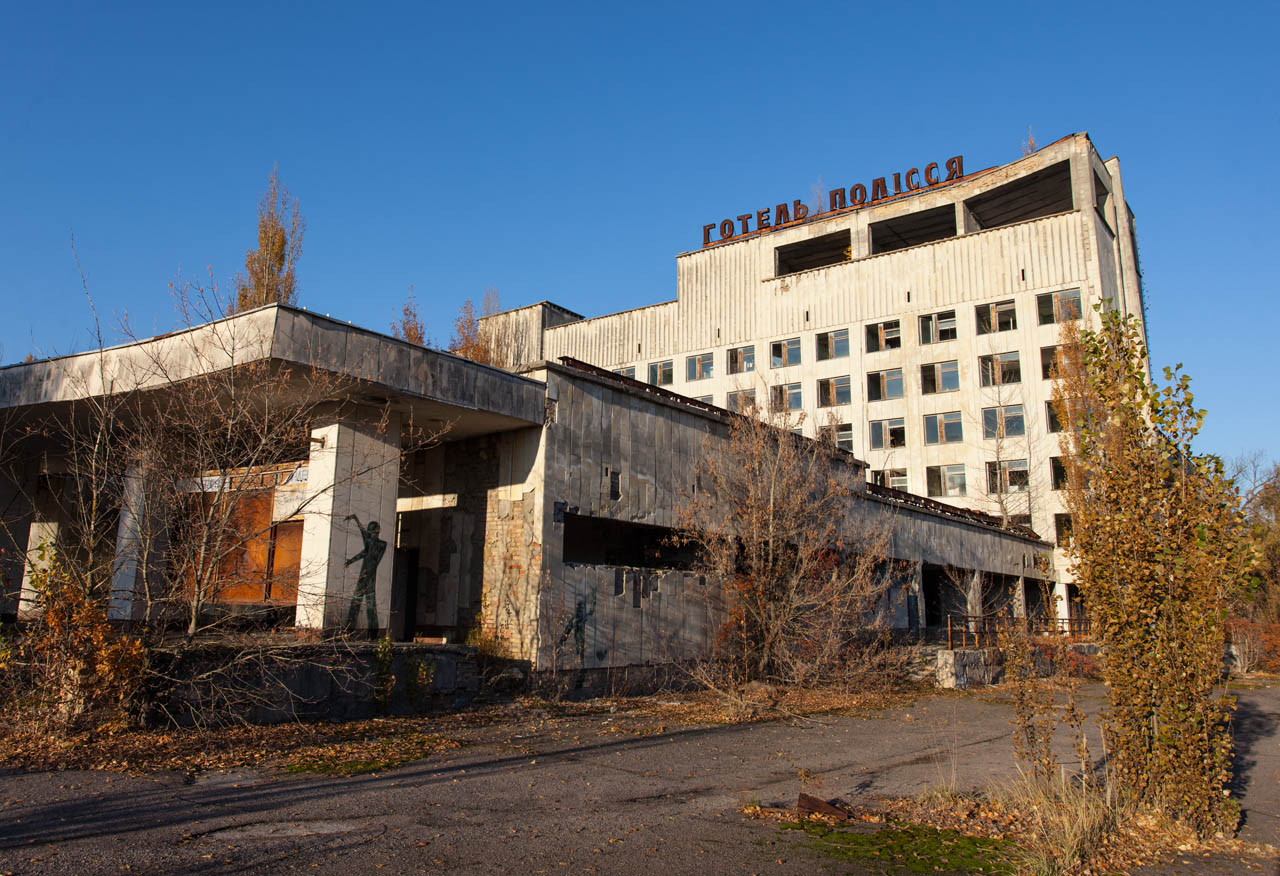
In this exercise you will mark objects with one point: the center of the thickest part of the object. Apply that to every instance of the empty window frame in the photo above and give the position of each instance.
(1008, 476)
(705, 399)
(833, 391)
(888, 434)
(839, 434)
(1057, 473)
(945, 480)
(940, 377)
(999, 369)
(1062, 529)
(786, 397)
(884, 336)
(1002, 316)
(833, 345)
(1005, 422)
(893, 478)
(1052, 423)
(1053, 307)
(943, 428)
(1049, 363)
(742, 360)
(1020, 520)
(700, 367)
(816, 252)
(742, 402)
(935, 327)
(884, 384)
(628, 371)
(660, 373)
(784, 353)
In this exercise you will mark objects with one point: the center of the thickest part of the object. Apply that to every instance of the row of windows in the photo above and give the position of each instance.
(1052, 307)
(948, 481)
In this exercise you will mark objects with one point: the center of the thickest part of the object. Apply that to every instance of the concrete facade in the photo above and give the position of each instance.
(1040, 229)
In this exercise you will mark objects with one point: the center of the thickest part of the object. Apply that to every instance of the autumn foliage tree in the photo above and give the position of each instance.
(271, 269)
(470, 340)
(1159, 550)
(409, 326)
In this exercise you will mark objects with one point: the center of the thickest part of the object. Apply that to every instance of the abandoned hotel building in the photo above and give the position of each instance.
(915, 318)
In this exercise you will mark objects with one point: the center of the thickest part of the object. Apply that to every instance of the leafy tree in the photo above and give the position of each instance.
(470, 340)
(271, 269)
(1159, 550)
(409, 327)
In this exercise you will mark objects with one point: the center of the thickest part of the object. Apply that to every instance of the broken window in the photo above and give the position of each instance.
(816, 252)
(1049, 362)
(629, 371)
(742, 402)
(1051, 417)
(884, 336)
(699, 367)
(1002, 316)
(943, 428)
(660, 373)
(999, 369)
(940, 377)
(937, 327)
(1008, 476)
(945, 480)
(1055, 307)
(786, 397)
(1057, 473)
(833, 391)
(924, 226)
(784, 353)
(705, 399)
(1062, 529)
(1005, 422)
(1020, 520)
(601, 541)
(884, 384)
(893, 478)
(742, 360)
(1034, 196)
(888, 434)
(839, 434)
(833, 345)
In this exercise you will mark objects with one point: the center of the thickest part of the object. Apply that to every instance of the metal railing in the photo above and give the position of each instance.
(984, 631)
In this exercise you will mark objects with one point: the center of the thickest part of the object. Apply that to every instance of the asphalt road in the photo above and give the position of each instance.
(581, 800)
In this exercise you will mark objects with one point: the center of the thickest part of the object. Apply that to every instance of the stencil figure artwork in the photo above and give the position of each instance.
(366, 584)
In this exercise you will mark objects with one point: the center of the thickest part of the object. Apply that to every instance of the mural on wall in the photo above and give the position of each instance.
(366, 583)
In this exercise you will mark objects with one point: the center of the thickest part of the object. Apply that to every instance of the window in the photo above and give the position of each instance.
(893, 478)
(938, 327)
(629, 371)
(816, 252)
(784, 353)
(999, 317)
(1051, 417)
(999, 369)
(887, 434)
(705, 399)
(786, 397)
(833, 391)
(833, 345)
(840, 434)
(699, 367)
(742, 360)
(945, 480)
(1062, 529)
(1007, 476)
(940, 377)
(884, 384)
(1049, 362)
(884, 336)
(743, 401)
(943, 428)
(1052, 307)
(1057, 473)
(1005, 422)
(1020, 520)
(660, 373)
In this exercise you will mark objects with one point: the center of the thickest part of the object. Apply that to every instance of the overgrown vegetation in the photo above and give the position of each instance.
(470, 339)
(270, 270)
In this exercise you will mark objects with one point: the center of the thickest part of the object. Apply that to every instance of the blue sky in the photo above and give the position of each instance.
(570, 152)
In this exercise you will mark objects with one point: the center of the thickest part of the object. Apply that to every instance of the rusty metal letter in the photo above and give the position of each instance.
(762, 219)
(800, 208)
(857, 194)
(781, 214)
(931, 173)
(878, 189)
(726, 229)
(706, 233)
(913, 172)
(744, 219)
(836, 198)
(897, 183)
(955, 167)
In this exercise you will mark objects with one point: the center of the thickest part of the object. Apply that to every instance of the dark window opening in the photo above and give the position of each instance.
(599, 541)
(1035, 196)
(913, 229)
(816, 252)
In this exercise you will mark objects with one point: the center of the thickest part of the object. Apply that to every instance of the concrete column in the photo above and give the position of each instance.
(973, 600)
(349, 523)
(42, 540)
(966, 222)
(1061, 608)
(126, 566)
(915, 589)
(1020, 597)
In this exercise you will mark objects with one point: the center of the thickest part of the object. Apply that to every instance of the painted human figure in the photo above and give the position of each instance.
(366, 584)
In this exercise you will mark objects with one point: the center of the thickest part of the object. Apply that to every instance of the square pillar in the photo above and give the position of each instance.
(126, 565)
(349, 523)
(1020, 597)
(973, 601)
(43, 535)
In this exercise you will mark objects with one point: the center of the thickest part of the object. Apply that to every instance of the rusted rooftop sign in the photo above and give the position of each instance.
(837, 199)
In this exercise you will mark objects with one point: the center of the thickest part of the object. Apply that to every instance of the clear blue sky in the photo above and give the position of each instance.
(569, 153)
